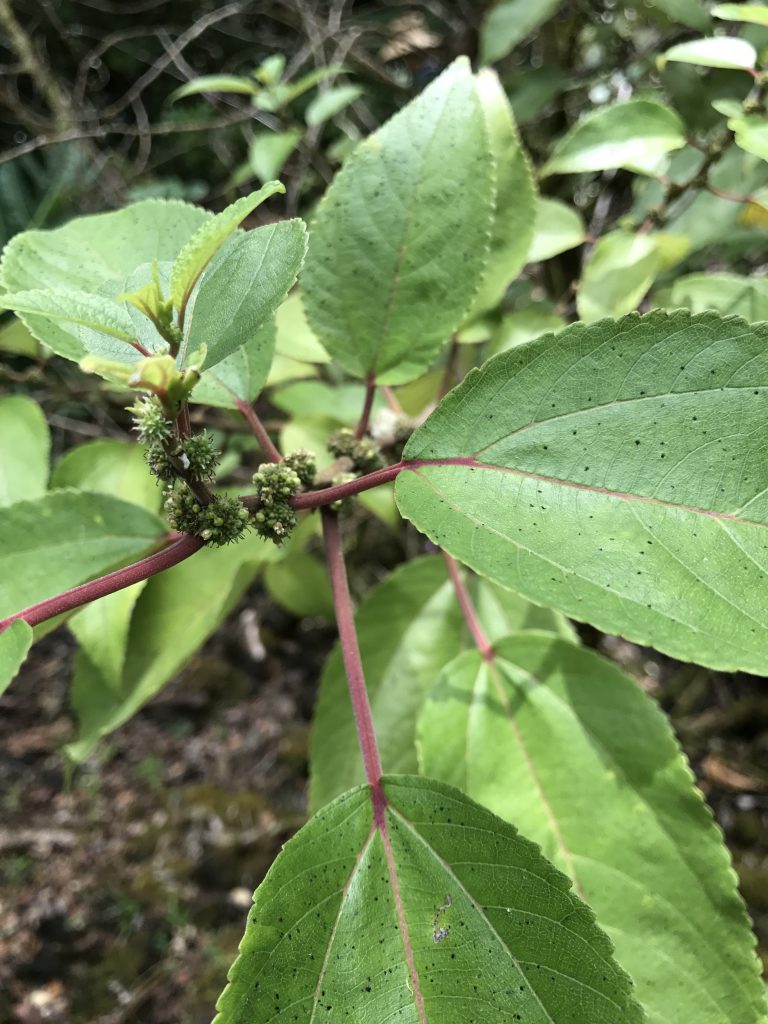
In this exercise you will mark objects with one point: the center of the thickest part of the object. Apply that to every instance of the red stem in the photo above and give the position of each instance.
(271, 453)
(176, 552)
(315, 499)
(722, 194)
(392, 400)
(468, 609)
(350, 652)
(370, 391)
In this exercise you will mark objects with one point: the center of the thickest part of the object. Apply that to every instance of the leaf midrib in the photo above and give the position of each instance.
(471, 463)
(572, 572)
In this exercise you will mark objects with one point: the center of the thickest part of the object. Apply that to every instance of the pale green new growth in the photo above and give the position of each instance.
(98, 316)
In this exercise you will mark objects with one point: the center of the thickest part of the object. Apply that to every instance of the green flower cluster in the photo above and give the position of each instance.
(303, 464)
(364, 453)
(195, 456)
(150, 420)
(223, 521)
(275, 485)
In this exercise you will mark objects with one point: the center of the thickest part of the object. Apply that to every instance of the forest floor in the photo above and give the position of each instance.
(124, 888)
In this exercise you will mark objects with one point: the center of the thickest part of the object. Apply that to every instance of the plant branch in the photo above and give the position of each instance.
(326, 496)
(370, 391)
(482, 642)
(271, 453)
(350, 650)
(181, 548)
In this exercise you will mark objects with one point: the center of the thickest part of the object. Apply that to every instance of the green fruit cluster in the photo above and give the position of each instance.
(222, 521)
(275, 483)
(364, 453)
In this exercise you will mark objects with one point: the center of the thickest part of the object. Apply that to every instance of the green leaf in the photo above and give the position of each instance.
(111, 467)
(686, 12)
(409, 627)
(240, 290)
(709, 220)
(93, 320)
(174, 615)
(62, 539)
(632, 134)
(119, 469)
(725, 293)
(299, 583)
(268, 152)
(620, 269)
(398, 246)
(15, 641)
(751, 132)
(208, 239)
(17, 340)
(310, 432)
(557, 228)
(104, 246)
(330, 103)
(529, 323)
(714, 52)
(369, 918)
(242, 375)
(545, 733)
(25, 444)
(215, 83)
(514, 212)
(283, 368)
(755, 14)
(295, 338)
(105, 255)
(618, 474)
(508, 23)
(342, 403)
(295, 89)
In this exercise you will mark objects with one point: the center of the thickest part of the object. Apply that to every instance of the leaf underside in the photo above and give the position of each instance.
(618, 473)
(560, 741)
(438, 912)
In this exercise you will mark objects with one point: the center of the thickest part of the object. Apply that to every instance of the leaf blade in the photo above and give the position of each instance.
(62, 539)
(25, 443)
(209, 237)
(656, 872)
(646, 466)
(387, 878)
(397, 247)
(627, 134)
(241, 290)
